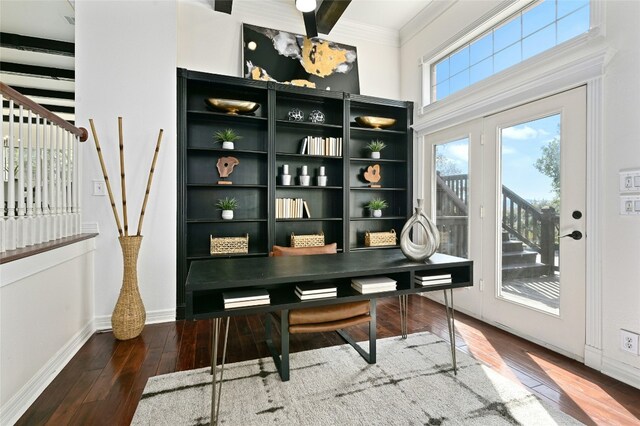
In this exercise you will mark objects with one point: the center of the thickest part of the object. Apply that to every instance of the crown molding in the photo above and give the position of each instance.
(424, 18)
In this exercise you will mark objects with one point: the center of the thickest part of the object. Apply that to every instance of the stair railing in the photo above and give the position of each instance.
(40, 161)
(452, 214)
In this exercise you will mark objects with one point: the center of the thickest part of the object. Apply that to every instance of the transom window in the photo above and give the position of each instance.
(527, 33)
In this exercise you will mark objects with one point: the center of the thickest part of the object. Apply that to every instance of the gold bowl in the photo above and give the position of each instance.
(233, 106)
(375, 122)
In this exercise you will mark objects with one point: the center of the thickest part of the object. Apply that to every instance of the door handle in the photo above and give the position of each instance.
(576, 235)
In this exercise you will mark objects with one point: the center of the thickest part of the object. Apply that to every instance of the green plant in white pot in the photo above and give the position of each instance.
(376, 205)
(227, 205)
(227, 137)
(375, 146)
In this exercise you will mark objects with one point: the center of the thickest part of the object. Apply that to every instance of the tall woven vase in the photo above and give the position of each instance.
(129, 315)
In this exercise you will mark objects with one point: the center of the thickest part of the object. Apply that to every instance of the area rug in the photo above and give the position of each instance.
(411, 384)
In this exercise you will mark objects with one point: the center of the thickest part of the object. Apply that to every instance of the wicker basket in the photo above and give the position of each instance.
(229, 245)
(311, 240)
(375, 239)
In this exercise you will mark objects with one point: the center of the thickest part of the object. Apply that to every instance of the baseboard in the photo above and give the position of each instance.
(593, 357)
(621, 371)
(153, 317)
(21, 401)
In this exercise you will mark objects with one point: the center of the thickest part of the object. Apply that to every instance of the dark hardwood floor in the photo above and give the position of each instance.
(103, 382)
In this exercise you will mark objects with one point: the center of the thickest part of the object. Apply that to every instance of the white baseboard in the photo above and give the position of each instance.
(89, 228)
(153, 317)
(621, 371)
(593, 357)
(22, 400)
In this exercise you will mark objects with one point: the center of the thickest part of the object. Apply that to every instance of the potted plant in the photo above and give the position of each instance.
(227, 205)
(376, 205)
(227, 137)
(375, 146)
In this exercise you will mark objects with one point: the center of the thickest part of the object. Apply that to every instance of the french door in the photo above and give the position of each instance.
(522, 192)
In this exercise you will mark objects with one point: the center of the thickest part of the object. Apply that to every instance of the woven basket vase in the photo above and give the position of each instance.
(129, 315)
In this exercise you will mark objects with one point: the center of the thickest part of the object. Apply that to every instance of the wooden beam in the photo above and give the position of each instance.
(36, 71)
(310, 24)
(45, 93)
(223, 6)
(58, 109)
(35, 44)
(329, 12)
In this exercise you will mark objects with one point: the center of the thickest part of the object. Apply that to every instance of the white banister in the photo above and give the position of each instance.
(10, 227)
(21, 208)
(63, 159)
(3, 232)
(76, 183)
(30, 222)
(40, 232)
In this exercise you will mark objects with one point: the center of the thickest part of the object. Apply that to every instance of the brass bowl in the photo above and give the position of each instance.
(233, 106)
(375, 122)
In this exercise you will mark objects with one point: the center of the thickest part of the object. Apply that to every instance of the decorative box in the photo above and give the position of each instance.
(311, 240)
(229, 245)
(375, 239)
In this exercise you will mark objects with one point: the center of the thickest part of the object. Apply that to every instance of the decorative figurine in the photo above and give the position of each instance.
(225, 167)
(322, 178)
(296, 114)
(304, 177)
(372, 175)
(316, 116)
(285, 177)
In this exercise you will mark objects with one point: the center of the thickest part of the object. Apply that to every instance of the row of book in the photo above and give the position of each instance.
(368, 285)
(245, 298)
(313, 145)
(291, 208)
(311, 291)
(427, 280)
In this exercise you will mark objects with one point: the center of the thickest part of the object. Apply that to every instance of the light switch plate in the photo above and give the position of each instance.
(630, 181)
(99, 188)
(630, 205)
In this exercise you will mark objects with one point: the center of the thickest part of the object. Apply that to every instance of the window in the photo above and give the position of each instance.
(527, 33)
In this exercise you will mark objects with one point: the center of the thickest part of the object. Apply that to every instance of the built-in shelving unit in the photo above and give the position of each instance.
(270, 140)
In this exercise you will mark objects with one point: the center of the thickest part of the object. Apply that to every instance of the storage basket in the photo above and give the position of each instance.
(375, 239)
(311, 240)
(228, 245)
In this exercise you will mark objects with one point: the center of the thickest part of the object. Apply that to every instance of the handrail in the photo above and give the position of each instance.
(453, 197)
(16, 96)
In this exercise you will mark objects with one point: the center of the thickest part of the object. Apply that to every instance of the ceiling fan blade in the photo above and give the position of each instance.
(223, 6)
(310, 24)
(328, 14)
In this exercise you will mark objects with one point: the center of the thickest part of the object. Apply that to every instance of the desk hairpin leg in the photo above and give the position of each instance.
(215, 395)
(452, 328)
(404, 299)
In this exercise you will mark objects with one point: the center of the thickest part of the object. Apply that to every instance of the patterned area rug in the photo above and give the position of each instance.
(411, 384)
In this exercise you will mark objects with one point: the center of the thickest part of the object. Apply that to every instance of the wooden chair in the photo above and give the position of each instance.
(320, 318)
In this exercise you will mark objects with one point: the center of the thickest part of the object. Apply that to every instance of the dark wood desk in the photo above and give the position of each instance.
(207, 279)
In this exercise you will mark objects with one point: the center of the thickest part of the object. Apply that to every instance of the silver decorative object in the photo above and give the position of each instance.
(322, 177)
(305, 179)
(296, 114)
(285, 177)
(316, 116)
(419, 252)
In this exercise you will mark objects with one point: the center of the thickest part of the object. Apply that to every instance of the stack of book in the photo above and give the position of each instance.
(426, 280)
(312, 291)
(291, 208)
(312, 145)
(367, 285)
(245, 298)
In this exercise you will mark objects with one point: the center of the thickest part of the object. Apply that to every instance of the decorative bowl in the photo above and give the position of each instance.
(375, 122)
(233, 106)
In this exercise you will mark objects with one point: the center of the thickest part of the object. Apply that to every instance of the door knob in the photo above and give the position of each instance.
(577, 214)
(576, 235)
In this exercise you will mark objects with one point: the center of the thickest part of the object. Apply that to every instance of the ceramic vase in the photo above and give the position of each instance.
(129, 315)
(227, 214)
(228, 145)
(375, 155)
(376, 213)
(431, 237)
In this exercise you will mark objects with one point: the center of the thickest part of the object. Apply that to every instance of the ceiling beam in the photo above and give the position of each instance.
(45, 93)
(36, 71)
(52, 108)
(310, 24)
(223, 6)
(35, 44)
(328, 14)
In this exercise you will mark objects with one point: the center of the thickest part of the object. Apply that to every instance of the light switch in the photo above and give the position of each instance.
(630, 205)
(630, 180)
(99, 188)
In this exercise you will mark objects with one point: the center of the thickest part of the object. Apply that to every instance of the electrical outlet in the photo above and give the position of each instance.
(629, 341)
(99, 188)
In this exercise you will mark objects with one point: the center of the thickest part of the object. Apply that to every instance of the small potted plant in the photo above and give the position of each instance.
(227, 205)
(375, 146)
(376, 205)
(227, 137)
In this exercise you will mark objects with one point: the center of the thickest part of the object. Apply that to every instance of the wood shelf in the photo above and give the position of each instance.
(209, 220)
(375, 160)
(311, 219)
(362, 219)
(306, 187)
(222, 115)
(215, 185)
(227, 151)
(289, 154)
(366, 188)
(307, 125)
(354, 128)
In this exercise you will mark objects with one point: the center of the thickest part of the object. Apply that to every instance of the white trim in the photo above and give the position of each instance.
(619, 370)
(89, 228)
(423, 19)
(103, 322)
(593, 357)
(22, 400)
(22, 268)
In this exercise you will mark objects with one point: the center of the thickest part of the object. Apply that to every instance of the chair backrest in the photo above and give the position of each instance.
(302, 251)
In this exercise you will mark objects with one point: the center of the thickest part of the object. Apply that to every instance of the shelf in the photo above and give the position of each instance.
(310, 219)
(361, 219)
(236, 151)
(366, 188)
(375, 160)
(215, 185)
(354, 127)
(307, 187)
(232, 117)
(210, 256)
(287, 154)
(208, 220)
(375, 248)
(307, 124)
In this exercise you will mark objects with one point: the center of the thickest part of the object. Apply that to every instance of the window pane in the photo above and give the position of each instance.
(573, 25)
(538, 17)
(442, 70)
(567, 6)
(459, 81)
(459, 61)
(481, 70)
(481, 49)
(442, 90)
(508, 57)
(539, 42)
(506, 35)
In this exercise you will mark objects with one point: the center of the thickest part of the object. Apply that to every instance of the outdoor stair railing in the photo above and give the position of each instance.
(40, 160)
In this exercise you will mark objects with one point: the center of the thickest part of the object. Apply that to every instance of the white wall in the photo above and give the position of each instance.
(126, 66)
(46, 314)
(621, 148)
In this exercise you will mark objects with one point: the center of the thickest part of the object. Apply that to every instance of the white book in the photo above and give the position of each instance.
(433, 277)
(433, 282)
(247, 303)
(373, 286)
(316, 296)
(373, 290)
(366, 281)
(244, 295)
(303, 145)
(314, 288)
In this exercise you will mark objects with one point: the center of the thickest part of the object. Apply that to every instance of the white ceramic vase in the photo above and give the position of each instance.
(227, 214)
(375, 154)
(376, 213)
(227, 145)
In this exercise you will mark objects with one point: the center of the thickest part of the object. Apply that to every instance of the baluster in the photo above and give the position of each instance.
(75, 186)
(59, 222)
(63, 189)
(21, 229)
(3, 233)
(30, 222)
(10, 228)
(52, 183)
(39, 219)
(46, 206)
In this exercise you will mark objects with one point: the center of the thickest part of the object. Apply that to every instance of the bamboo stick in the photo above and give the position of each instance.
(122, 179)
(146, 194)
(106, 177)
